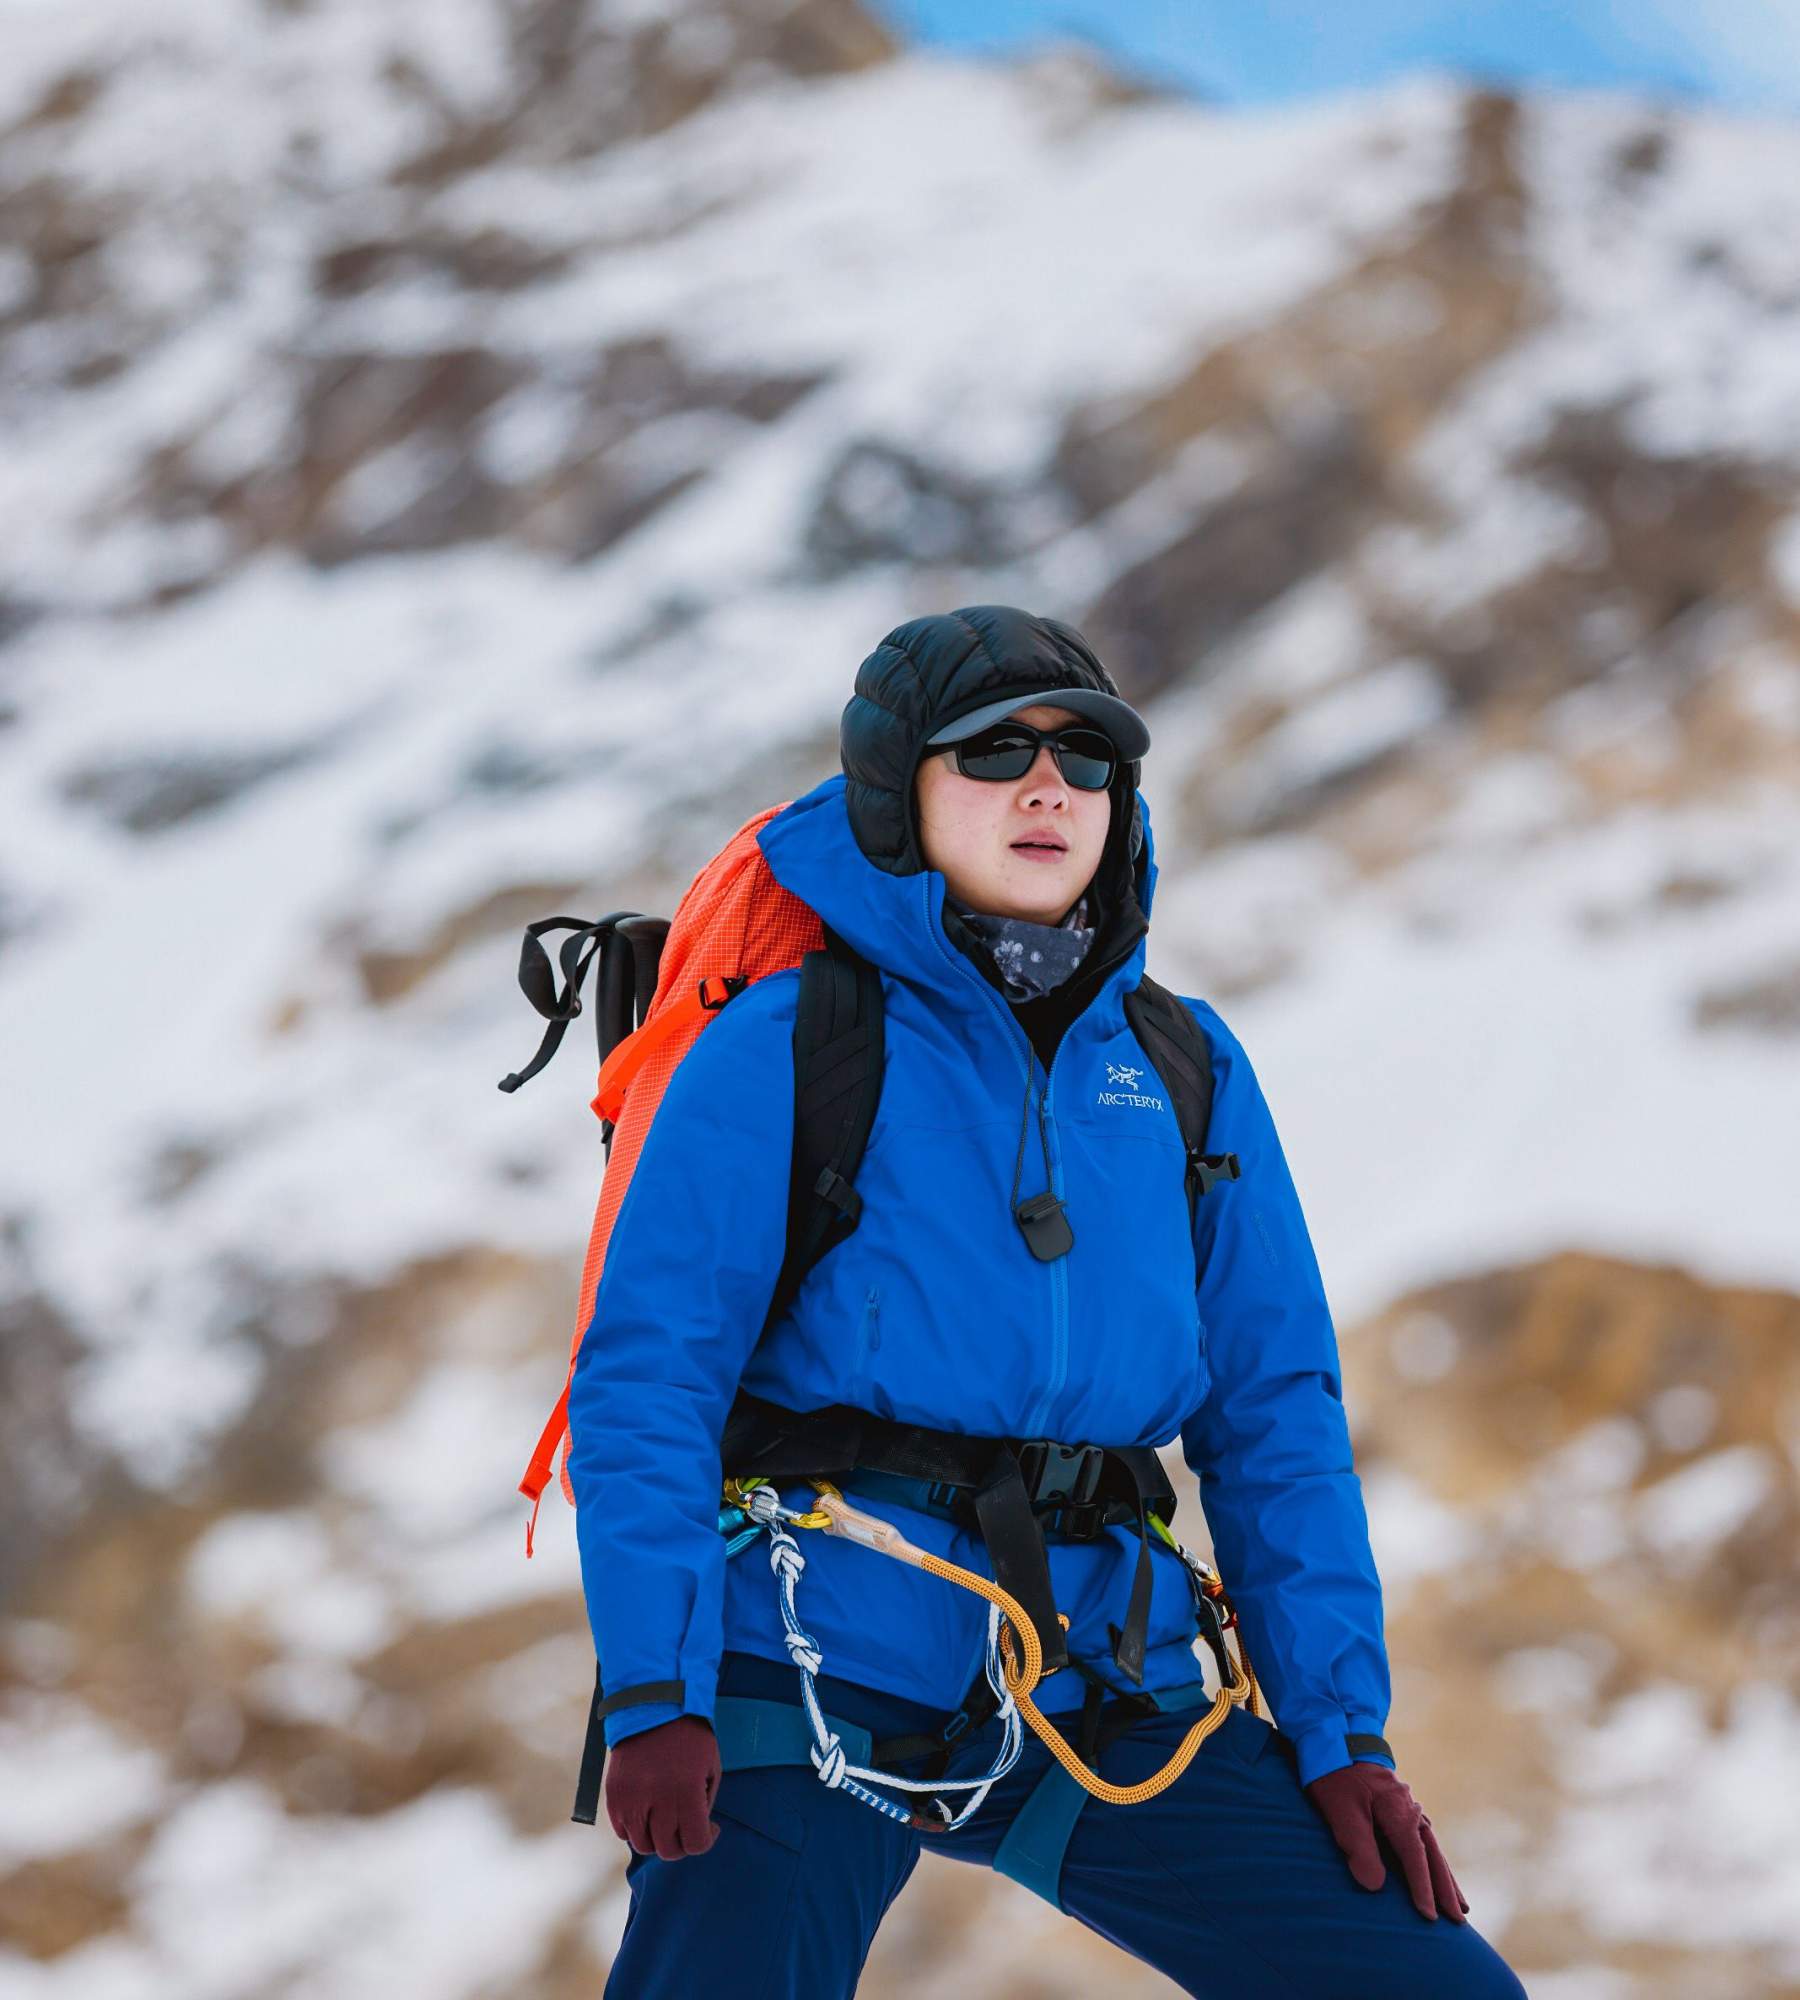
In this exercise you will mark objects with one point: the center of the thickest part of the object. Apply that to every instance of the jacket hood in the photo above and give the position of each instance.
(934, 670)
(898, 921)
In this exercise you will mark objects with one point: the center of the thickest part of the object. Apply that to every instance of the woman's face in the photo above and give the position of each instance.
(973, 831)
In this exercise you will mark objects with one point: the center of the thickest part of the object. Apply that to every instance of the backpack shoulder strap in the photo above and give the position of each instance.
(1177, 1046)
(839, 1058)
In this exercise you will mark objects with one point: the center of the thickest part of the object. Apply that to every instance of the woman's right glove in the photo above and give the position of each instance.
(1361, 1800)
(660, 1786)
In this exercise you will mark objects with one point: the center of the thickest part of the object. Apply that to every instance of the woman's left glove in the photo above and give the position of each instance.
(660, 1784)
(1359, 1801)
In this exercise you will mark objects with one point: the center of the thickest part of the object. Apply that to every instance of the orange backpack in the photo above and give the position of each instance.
(734, 924)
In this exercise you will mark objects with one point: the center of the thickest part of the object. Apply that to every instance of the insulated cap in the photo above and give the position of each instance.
(1108, 712)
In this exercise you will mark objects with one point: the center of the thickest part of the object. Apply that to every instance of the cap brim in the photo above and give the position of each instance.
(1108, 712)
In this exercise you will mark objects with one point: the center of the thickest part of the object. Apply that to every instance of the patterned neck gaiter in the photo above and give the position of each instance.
(1033, 958)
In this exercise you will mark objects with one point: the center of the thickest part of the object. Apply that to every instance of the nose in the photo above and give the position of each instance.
(1045, 772)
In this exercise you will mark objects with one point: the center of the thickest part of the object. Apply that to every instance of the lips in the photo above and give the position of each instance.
(1040, 846)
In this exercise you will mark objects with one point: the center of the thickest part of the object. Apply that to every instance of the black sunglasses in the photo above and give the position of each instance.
(1088, 758)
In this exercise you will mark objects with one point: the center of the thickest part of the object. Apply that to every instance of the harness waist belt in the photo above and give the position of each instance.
(1010, 1488)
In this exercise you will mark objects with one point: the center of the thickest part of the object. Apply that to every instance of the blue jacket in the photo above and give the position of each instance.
(935, 1311)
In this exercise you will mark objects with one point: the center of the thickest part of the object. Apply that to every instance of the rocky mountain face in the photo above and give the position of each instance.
(455, 457)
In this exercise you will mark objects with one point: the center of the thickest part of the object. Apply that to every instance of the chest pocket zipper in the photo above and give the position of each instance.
(1202, 1357)
(871, 1329)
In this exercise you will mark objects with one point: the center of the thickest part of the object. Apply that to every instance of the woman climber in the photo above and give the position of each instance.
(1046, 1227)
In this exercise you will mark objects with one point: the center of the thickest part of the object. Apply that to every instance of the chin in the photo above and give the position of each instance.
(1042, 909)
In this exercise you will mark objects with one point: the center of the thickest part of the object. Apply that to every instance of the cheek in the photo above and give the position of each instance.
(1095, 821)
(955, 815)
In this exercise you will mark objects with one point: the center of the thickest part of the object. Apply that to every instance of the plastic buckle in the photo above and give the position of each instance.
(1060, 1472)
(1207, 1170)
(726, 987)
(1080, 1520)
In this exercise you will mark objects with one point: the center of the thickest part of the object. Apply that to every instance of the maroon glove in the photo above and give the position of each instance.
(660, 1785)
(1364, 1799)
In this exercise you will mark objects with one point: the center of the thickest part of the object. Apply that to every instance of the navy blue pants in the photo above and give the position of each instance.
(1229, 1882)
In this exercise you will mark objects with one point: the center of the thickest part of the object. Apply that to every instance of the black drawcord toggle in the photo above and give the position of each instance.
(1045, 1226)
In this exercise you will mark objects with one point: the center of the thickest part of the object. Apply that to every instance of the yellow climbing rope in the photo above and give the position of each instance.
(834, 1515)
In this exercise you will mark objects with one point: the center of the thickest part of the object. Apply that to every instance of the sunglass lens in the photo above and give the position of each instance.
(999, 752)
(1087, 759)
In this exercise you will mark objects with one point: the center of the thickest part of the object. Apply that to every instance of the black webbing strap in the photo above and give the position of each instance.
(646, 1691)
(1092, 1696)
(1111, 1719)
(1359, 1744)
(1015, 1546)
(764, 1440)
(839, 1044)
(1182, 1056)
(538, 983)
(593, 1748)
(629, 947)
(593, 1761)
(1128, 1654)
(978, 1705)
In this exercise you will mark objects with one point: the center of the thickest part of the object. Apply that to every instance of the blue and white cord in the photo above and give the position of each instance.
(834, 1769)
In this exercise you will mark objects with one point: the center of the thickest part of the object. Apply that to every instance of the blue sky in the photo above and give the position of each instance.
(1742, 52)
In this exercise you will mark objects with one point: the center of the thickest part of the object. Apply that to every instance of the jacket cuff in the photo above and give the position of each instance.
(696, 1697)
(626, 1722)
(1324, 1747)
(1367, 1741)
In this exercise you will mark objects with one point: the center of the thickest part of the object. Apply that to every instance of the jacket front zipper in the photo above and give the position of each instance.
(1059, 1277)
(1059, 1273)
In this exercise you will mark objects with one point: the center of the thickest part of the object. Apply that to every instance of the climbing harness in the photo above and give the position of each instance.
(1014, 1663)
(1010, 1491)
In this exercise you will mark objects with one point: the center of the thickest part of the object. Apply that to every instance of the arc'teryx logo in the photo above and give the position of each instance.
(1127, 1074)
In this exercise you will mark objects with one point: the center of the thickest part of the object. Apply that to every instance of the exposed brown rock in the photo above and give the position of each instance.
(1473, 1389)
(49, 1907)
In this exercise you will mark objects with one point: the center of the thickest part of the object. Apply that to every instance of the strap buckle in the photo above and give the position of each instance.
(1079, 1520)
(1060, 1474)
(716, 988)
(1206, 1170)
